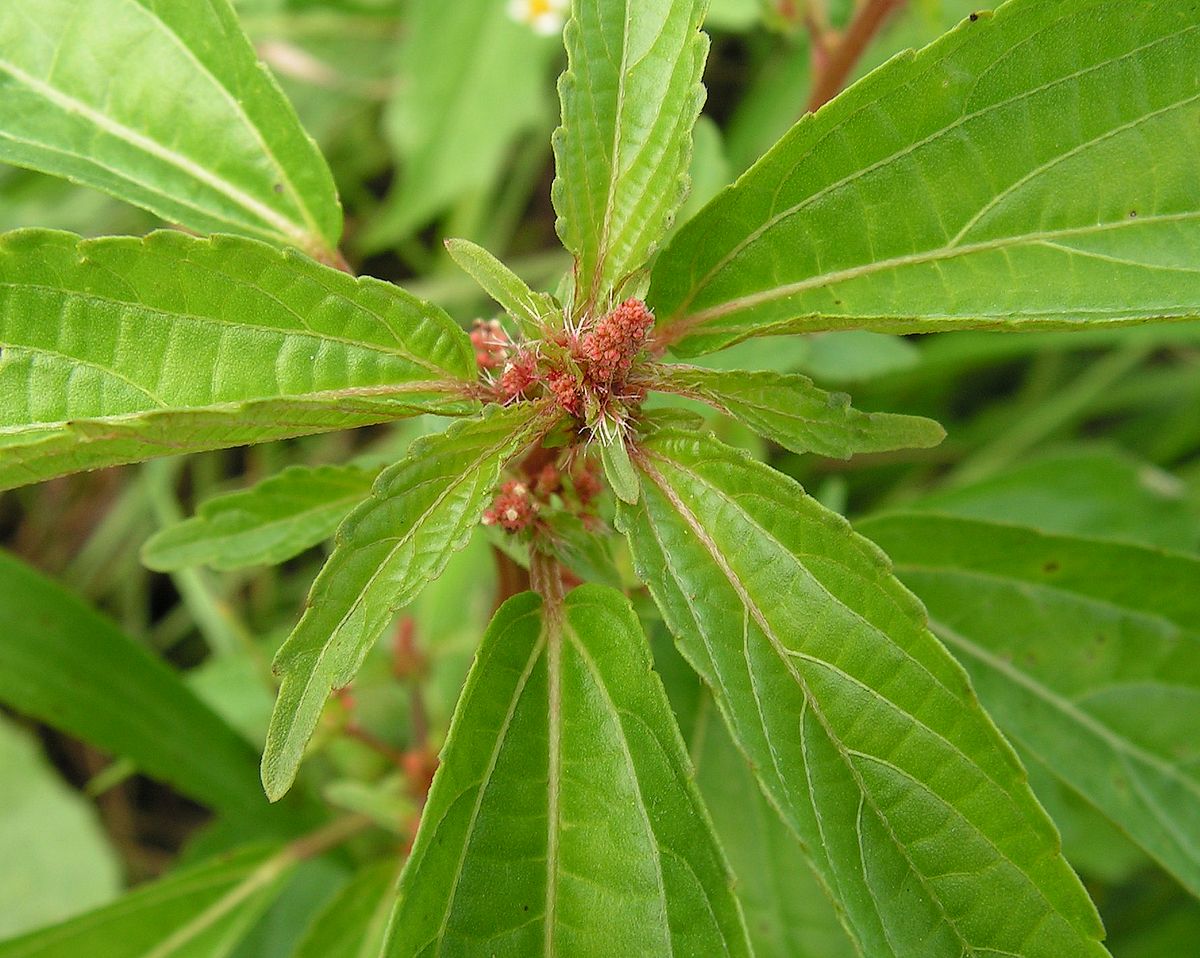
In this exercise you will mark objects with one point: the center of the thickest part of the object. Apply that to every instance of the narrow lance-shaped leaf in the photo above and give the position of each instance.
(197, 912)
(421, 511)
(529, 309)
(278, 518)
(117, 350)
(630, 96)
(165, 105)
(1035, 168)
(793, 412)
(1094, 665)
(65, 664)
(563, 819)
(862, 729)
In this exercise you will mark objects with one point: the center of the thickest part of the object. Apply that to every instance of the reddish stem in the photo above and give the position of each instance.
(843, 54)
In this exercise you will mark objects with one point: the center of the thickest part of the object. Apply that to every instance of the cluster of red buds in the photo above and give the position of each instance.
(519, 375)
(491, 344)
(518, 504)
(611, 345)
(513, 509)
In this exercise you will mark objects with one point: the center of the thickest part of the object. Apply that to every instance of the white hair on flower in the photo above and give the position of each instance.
(543, 16)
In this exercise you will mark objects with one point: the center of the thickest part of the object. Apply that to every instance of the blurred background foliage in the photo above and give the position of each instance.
(436, 118)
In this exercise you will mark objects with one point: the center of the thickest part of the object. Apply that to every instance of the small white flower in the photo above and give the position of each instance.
(545, 17)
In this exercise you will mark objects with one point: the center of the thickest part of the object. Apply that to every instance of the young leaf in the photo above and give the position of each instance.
(1096, 671)
(421, 511)
(863, 731)
(528, 308)
(1022, 171)
(618, 470)
(109, 691)
(563, 818)
(195, 131)
(793, 412)
(266, 524)
(630, 97)
(117, 350)
(197, 912)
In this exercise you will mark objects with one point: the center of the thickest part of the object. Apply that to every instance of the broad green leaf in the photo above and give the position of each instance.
(472, 80)
(421, 511)
(793, 412)
(266, 524)
(68, 666)
(863, 731)
(353, 924)
(630, 96)
(788, 914)
(1093, 665)
(197, 912)
(116, 350)
(1032, 168)
(563, 819)
(165, 105)
(59, 861)
(529, 309)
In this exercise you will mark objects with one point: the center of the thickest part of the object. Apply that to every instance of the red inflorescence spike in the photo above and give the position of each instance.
(610, 347)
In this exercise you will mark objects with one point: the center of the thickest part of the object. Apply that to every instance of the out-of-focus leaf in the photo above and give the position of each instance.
(68, 666)
(1095, 491)
(793, 412)
(1021, 171)
(420, 512)
(1086, 652)
(198, 912)
(862, 729)
(471, 81)
(58, 859)
(101, 343)
(266, 524)
(563, 819)
(856, 355)
(630, 97)
(165, 105)
(353, 924)
(310, 887)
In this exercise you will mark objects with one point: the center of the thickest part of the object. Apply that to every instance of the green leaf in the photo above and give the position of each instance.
(788, 914)
(863, 731)
(63, 861)
(197, 912)
(793, 412)
(421, 511)
(529, 309)
(353, 924)
(563, 819)
(472, 80)
(630, 96)
(1095, 670)
(618, 470)
(265, 524)
(1092, 490)
(116, 350)
(68, 666)
(164, 105)
(1032, 168)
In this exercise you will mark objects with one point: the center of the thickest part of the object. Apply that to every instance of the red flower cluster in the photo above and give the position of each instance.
(609, 348)
(519, 375)
(491, 344)
(513, 509)
(566, 390)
